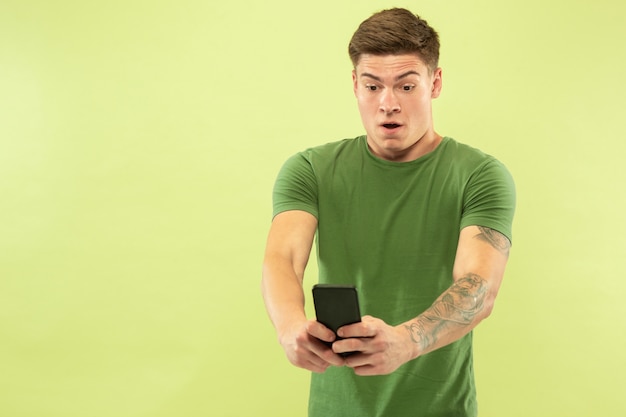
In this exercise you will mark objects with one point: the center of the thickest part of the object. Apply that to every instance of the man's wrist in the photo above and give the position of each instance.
(414, 334)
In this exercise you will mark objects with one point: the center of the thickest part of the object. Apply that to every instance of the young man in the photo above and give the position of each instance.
(419, 223)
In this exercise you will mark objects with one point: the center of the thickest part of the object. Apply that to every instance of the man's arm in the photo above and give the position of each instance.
(287, 253)
(478, 271)
(479, 266)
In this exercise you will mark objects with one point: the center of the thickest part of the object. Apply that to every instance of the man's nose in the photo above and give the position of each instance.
(389, 102)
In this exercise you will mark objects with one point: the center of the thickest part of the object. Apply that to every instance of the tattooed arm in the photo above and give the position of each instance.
(478, 270)
(479, 265)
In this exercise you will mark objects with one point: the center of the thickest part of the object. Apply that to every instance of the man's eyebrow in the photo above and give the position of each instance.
(398, 78)
(367, 74)
(406, 74)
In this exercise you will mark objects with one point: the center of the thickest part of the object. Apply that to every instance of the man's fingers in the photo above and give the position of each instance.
(319, 331)
(351, 345)
(316, 356)
(324, 356)
(365, 328)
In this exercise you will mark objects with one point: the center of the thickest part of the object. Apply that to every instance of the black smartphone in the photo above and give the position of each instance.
(336, 305)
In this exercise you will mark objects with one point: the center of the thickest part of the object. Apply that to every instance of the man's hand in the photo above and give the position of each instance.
(381, 348)
(304, 346)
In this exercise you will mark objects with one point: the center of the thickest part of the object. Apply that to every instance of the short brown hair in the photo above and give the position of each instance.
(394, 32)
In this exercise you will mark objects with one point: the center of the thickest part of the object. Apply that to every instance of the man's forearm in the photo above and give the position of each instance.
(454, 314)
(282, 294)
(286, 255)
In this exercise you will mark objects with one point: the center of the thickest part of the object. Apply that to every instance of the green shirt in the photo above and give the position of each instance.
(392, 229)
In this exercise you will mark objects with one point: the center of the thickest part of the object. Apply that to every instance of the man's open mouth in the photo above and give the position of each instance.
(391, 125)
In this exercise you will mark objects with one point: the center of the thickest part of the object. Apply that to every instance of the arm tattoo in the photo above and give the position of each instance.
(496, 239)
(456, 307)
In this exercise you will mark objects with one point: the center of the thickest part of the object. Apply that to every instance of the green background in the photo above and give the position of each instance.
(139, 141)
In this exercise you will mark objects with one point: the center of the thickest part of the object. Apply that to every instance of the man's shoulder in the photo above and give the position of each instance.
(467, 156)
(460, 148)
(330, 149)
(321, 158)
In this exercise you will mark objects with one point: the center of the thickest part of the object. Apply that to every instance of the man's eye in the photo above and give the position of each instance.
(408, 87)
(371, 87)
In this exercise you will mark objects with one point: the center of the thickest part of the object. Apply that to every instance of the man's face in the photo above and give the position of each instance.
(394, 94)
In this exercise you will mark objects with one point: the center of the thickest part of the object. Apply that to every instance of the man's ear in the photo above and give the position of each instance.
(436, 83)
(354, 81)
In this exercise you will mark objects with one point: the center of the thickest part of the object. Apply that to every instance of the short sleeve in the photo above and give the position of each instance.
(489, 199)
(296, 187)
